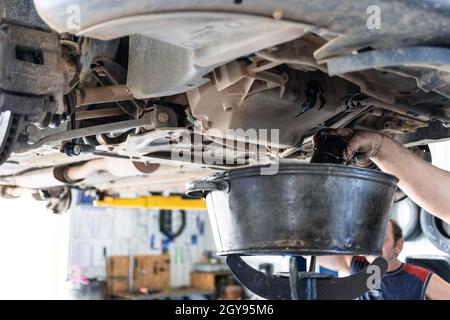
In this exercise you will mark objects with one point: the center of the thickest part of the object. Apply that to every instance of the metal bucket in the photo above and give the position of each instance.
(305, 209)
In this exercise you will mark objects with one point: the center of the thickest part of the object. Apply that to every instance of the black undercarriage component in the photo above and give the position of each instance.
(313, 91)
(73, 149)
(328, 148)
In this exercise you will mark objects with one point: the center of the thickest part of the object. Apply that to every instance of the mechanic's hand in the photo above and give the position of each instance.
(362, 144)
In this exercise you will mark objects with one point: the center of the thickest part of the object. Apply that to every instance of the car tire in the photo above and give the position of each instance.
(436, 230)
(407, 214)
(9, 133)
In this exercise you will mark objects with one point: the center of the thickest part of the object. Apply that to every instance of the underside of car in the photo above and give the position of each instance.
(141, 96)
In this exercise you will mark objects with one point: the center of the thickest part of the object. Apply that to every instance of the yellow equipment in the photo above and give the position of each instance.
(153, 202)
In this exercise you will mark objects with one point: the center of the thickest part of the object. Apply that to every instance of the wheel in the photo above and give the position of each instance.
(407, 214)
(436, 230)
(9, 133)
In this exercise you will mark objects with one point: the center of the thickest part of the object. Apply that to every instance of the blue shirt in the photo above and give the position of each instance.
(408, 282)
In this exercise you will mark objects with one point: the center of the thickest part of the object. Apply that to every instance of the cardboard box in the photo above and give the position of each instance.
(152, 272)
(207, 281)
(203, 280)
(117, 274)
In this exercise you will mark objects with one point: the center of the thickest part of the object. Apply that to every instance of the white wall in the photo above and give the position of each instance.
(33, 250)
(440, 153)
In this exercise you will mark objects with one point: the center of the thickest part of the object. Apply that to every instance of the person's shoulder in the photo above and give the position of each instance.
(416, 271)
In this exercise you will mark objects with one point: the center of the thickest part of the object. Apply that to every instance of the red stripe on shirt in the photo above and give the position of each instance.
(416, 271)
(361, 259)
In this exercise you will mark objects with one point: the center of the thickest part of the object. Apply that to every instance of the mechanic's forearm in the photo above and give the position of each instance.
(424, 183)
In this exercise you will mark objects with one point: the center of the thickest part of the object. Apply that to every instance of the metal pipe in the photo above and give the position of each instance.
(10, 192)
(53, 177)
(116, 167)
(38, 179)
(411, 111)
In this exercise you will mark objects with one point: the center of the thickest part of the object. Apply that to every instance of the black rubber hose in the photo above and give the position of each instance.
(165, 226)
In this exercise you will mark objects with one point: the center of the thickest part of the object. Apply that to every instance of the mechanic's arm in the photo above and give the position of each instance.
(438, 289)
(425, 184)
(336, 263)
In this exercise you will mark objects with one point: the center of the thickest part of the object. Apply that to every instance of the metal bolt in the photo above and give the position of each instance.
(72, 149)
(163, 117)
(75, 149)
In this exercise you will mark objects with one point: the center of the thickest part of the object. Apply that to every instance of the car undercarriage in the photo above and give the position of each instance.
(141, 96)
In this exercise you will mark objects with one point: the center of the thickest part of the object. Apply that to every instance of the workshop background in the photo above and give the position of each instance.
(117, 253)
